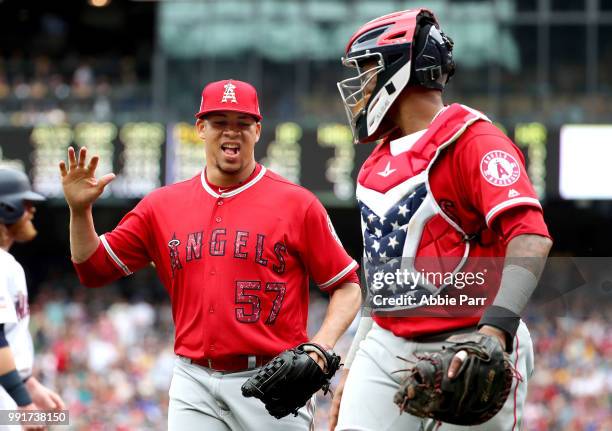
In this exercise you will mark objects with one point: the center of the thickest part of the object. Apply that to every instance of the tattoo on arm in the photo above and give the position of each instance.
(528, 251)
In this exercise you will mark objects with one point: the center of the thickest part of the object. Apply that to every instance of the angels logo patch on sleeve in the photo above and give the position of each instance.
(500, 168)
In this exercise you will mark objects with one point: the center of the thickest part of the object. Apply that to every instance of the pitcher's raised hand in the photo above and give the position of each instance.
(81, 187)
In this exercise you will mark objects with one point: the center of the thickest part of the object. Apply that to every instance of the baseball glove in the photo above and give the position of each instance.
(288, 381)
(473, 396)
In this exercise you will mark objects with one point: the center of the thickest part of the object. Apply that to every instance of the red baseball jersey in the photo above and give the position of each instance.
(475, 180)
(236, 263)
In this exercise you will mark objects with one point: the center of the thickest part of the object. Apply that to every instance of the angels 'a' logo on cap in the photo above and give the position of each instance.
(229, 95)
(500, 168)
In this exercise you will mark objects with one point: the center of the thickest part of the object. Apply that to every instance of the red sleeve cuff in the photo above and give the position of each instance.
(98, 270)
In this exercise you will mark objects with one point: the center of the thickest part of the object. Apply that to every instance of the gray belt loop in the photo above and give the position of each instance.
(252, 362)
(210, 363)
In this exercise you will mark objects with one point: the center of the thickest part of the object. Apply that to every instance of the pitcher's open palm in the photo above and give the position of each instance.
(81, 187)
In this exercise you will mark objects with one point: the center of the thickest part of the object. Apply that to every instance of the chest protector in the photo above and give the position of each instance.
(411, 247)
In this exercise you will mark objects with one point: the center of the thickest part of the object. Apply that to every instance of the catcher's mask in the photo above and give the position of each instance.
(15, 191)
(401, 49)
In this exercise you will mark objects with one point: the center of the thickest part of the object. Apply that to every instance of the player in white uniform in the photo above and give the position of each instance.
(20, 388)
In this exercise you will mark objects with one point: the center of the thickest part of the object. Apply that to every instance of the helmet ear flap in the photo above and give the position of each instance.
(432, 57)
(450, 63)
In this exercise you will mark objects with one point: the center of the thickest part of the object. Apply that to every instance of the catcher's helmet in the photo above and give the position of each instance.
(405, 48)
(15, 189)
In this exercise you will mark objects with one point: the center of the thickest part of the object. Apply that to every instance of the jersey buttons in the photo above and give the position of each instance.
(218, 219)
(219, 202)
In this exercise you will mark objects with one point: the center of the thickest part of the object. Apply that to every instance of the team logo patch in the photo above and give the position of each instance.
(229, 95)
(387, 171)
(175, 262)
(500, 168)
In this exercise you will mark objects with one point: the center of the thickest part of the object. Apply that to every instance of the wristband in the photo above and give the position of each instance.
(503, 319)
(13, 385)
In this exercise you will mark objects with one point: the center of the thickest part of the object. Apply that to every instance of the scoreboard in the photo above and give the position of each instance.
(147, 155)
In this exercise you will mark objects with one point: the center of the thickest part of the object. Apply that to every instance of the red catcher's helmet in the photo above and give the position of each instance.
(401, 49)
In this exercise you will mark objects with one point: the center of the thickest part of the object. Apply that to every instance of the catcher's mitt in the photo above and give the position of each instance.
(473, 396)
(287, 382)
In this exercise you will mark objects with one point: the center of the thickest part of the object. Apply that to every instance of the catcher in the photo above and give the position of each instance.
(447, 185)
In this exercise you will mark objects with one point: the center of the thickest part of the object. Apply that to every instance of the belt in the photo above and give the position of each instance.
(442, 336)
(231, 363)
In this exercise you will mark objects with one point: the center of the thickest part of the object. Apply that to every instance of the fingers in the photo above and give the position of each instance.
(82, 157)
(71, 158)
(63, 169)
(315, 357)
(456, 363)
(49, 402)
(57, 400)
(93, 164)
(74, 162)
(104, 180)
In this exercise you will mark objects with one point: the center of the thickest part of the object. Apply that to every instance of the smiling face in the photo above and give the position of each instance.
(229, 140)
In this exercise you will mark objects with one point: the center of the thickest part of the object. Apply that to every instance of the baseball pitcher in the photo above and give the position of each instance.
(234, 246)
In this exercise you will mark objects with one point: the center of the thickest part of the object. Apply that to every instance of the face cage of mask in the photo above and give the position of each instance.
(352, 89)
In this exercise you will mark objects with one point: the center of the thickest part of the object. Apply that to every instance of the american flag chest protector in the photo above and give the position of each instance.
(403, 226)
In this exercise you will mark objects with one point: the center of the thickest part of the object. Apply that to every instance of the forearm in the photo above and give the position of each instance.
(9, 377)
(365, 324)
(528, 251)
(525, 260)
(7, 361)
(343, 307)
(83, 237)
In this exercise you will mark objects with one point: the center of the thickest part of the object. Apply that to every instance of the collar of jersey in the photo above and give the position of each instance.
(403, 144)
(233, 192)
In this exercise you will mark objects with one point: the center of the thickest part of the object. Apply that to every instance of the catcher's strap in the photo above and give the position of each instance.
(289, 380)
(476, 393)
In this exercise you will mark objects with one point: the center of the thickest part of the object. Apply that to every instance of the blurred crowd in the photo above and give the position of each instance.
(571, 388)
(111, 360)
(40, 88)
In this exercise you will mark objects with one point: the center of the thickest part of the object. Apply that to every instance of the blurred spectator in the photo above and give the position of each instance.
(34, 89)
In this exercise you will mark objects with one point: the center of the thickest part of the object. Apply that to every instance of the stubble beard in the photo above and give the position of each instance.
(23, 231)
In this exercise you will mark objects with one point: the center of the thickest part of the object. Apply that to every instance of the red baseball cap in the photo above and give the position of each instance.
(229, 95)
